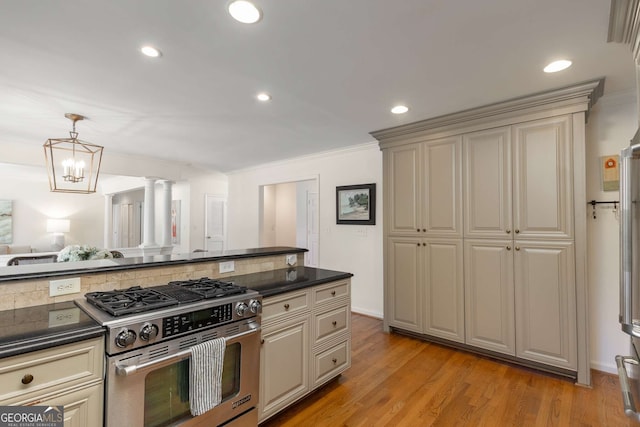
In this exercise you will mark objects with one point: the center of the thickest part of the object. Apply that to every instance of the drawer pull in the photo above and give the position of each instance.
(286, 306)
(334, 360)
(262, 341)
(334, 323)
(27, 379)
(333, 293)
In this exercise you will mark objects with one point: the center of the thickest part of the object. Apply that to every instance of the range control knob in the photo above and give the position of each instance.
(125, 338)
(241, 308)
(148, 332)
(255, 306)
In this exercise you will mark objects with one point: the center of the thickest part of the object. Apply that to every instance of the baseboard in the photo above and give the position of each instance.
(605, 367)
(366, 312)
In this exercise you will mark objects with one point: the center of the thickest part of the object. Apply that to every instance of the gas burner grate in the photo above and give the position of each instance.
(128, 301)
(210, 288)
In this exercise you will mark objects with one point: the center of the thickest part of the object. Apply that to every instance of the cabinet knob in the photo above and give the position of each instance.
(424, 230)
(508, 248)
(424, 244)
(27, 379)
(334, 323)
(517, 248)
(286, 306)
(517, 231)
(418, 230)
(417, 244)
(333, 293)
(508, 230)
(262, 341)
(334, 360)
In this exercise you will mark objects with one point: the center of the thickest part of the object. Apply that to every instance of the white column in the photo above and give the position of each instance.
(149, 232)
(166, 213)
(108, 220)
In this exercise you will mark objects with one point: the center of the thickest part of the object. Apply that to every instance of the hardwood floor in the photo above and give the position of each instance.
(396, 380)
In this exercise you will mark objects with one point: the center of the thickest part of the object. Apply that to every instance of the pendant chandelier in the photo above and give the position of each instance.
(73, 165)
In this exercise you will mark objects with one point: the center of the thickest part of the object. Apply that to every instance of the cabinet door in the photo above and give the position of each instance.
(543, 179)
(284, 365)
(404, 283)
(82, 407)
(442, 174)
(487, 195)
(444, 292)
(403, 189)
(546, 303)
(489, 295)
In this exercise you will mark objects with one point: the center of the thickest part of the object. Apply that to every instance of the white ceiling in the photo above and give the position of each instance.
(333, 67)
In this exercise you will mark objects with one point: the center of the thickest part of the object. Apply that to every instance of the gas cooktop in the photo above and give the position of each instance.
(136, 299)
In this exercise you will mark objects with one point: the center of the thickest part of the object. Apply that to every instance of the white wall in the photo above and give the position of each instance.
(268, 226)
(33, 203)
(286, 214)
(356, 249)
(612, 123)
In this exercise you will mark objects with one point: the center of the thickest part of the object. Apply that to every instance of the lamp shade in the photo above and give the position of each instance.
(58, 225)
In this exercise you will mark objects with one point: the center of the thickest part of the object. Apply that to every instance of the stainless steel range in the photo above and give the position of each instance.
(150, 333)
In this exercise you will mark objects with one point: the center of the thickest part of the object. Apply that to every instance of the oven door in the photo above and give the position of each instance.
(150, 387)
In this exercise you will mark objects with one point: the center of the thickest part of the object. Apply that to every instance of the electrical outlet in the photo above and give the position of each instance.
(227, 267)
(292, 259)
(64, 286)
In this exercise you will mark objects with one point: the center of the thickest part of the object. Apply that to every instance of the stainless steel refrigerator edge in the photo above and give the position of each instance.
(629, 366)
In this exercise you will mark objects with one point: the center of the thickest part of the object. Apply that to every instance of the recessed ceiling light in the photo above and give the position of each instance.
(556, 66)
(399, 109)
(263, 97)
(245, 11)
(150, 51)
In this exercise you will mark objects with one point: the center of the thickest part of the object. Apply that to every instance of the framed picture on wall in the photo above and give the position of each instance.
(6, 221)
(356, 204)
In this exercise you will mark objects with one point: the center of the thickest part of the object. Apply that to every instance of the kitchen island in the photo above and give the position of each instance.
(306, 324)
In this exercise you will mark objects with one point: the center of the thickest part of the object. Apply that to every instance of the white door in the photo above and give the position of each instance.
(215, 223)
(311, 257)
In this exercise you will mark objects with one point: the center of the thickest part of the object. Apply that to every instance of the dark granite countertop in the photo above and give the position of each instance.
(270, 283)
(35, 328)
(35, 271)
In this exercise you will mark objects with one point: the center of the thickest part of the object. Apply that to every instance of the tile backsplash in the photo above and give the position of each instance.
(27, 293)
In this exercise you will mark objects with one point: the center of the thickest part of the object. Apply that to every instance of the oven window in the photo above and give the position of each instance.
(166, 397)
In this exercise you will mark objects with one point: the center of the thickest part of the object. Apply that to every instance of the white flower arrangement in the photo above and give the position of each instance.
(82, 253)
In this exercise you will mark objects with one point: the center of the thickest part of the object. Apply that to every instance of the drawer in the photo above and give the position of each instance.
(330, 363)
(330, 324)
(330, 292)
(289, 303)
(52, 369)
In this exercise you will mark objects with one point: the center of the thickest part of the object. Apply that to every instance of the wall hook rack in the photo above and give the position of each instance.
(593, 204)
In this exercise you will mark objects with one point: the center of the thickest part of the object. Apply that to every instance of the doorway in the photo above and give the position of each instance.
(289, 213)
(215, 231)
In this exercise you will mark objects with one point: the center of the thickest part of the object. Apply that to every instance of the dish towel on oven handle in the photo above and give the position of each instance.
(205, 382)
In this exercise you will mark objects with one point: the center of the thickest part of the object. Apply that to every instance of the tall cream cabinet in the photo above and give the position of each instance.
(485, 225)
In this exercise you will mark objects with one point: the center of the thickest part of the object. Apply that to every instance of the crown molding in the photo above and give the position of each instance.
(579, 97)
(624, 23)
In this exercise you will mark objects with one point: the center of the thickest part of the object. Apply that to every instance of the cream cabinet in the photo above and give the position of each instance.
(485, 225)
(426, 286)
(545, 303)
(69, 375)
(425, 182)
(306, 341)
(489, 295)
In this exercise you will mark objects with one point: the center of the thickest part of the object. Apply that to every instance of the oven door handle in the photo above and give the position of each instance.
(132, 369)
(627, 396)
